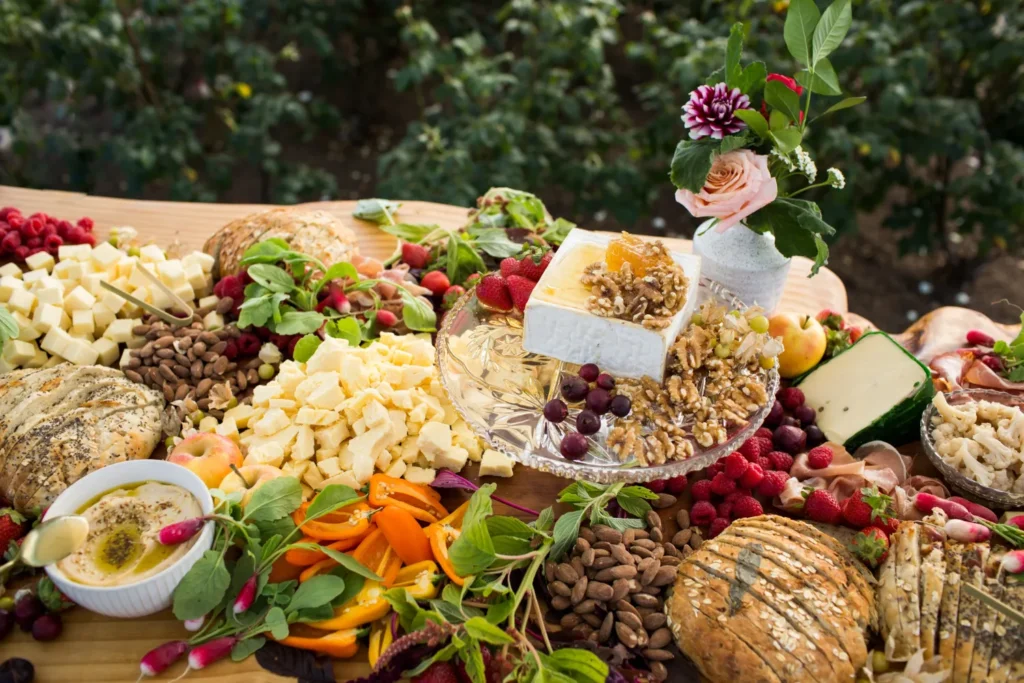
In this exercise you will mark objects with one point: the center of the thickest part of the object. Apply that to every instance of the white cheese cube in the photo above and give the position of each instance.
(18, 352)
(240, 414)
(312, 477)
(112, 301)
(68, 270)
(46, 317)
(91, 283)
(171, 273)
(40, 260)
(151, 253)
(195, 276)
(184, 292)
(207, 424)
(208, 300)
(22, 301)
(34, 276)
(126, 357)
(80, 352)
(213, 321)
(227, 428)
(79, 299)
(303, 447)
(397, 468)
(51, 294)
(56, 341)
(329, 467)
(495, 464)
(266, 454)
(434, 439)
(8, 285)
(106, 254)
(264, 393)
(51, 362)
(419, 475)
(11, 269)
(126, 266)
(120, 331)
(74, 252)
(204, 260)
(102, 316)
(39, 359)
(273, 421)
(159, 298)
(285, 404)
(82, 323)
(454, 459)
(332, 437)
(107, 351)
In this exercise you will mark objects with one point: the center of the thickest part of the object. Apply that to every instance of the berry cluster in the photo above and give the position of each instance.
(22, 236)
(598, 400)
(513, 287)
(793, 422)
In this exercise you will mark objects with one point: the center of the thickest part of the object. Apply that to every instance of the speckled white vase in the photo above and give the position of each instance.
(744, 262)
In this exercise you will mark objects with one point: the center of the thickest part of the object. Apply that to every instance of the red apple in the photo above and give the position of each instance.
(209, 455)
(803, 339)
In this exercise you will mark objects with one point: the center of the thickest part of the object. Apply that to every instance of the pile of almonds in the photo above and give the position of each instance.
(188, 362)
(611, 587)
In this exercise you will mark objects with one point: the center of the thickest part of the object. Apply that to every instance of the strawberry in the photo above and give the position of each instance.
(702, 513)
(520, 288)
(416, 255)
(755, 447)
(752, 477)
(718, 525)
(701, 490)
(12, 526)
(735, 465)
(509, 266)
(493, 292)
(438, 672)
(781, 461)
(436, 281)
(722, 484)
(821, 506)
(473, 280)
(451, 295)
(871, 545)
(819, 457)
(865, 506)
(51, 597)
(791, 398)
(831, 319)
(887, 526)
(855, 334)
(763, 433)
(533, 265)
(772, 484)
(747, 506)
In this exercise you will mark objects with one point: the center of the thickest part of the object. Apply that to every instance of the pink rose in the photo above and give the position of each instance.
(738, 185)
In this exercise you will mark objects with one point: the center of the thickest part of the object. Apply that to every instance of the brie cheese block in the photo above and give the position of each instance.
(558, 324)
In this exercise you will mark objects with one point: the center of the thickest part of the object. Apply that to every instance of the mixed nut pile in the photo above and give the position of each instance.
(611, 587)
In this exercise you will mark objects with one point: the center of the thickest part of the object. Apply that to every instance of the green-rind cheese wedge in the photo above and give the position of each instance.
(874, 390)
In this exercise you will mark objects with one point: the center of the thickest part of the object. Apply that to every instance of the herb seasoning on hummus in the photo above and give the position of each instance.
(123, 546)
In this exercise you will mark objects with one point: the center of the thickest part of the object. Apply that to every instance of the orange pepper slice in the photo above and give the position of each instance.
(421, 501)
(339, 644)
(441, 535)
(301, 557)
(404, 533)
(369, 604)
(350, 521)
(376, 553)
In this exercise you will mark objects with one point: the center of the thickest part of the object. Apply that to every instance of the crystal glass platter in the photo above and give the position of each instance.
(500, 390)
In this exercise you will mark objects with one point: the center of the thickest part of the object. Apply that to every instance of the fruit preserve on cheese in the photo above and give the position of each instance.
(631, 249)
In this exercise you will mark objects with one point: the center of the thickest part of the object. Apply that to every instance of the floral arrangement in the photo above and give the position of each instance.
(746, 164)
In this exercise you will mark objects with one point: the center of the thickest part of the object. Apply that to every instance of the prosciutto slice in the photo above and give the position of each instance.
(982, 375)
(949, 368)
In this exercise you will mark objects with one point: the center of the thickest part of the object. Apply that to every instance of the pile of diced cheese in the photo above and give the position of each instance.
(349, 412)
(64, 314)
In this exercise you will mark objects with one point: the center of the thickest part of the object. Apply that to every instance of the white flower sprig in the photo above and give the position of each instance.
(836, 178)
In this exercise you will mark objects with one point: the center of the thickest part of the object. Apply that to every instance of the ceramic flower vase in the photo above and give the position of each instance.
(744, 262)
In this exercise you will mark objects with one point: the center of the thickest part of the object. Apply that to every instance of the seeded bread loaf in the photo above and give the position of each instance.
(312, 232)
(768, 600)
(59, 424)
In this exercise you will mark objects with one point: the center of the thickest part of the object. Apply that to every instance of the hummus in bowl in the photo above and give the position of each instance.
(122, 546)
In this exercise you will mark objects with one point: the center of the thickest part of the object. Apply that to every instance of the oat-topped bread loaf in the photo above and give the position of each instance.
(312, 232)
(924, 606)
(59, 424)
(772, 600)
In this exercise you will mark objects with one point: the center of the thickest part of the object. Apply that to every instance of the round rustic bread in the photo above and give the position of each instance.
(312, 232)
(61, 423)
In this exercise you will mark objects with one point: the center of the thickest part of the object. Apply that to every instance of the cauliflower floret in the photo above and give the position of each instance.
(1011, 431)
(1018, 486)
(962, 417)
(997, 454)
(974, 469)
(1002, 480)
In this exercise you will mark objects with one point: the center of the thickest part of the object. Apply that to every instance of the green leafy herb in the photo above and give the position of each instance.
(307, 346)
(273, 500)
(202, 588)
(591, 501)
(380, 211)
(8, 326)
(345, 328)
(244, 648)
(319, 590)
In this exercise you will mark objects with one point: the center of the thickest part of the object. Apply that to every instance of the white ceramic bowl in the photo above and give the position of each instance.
(152, 594)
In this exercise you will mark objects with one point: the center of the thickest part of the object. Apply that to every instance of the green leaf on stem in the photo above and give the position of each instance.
(715, 77)
(342, 270)
(343, 328)
(463, 260)
(752, 78)
(473, 660)
(494, 242)
(483, 630)
(754, 121)
(798, 229)
(331, 498)
(777, 120)
(734, 141)
(824, 82)
(565, 533)
(691, 163)
(270, 528)
(299, 322)
(276, 622)
(545, 521)
(801, 18)
(353, 584)
(733, 51)
(417, 314)
(379, 211)
(256, 312)
(638, 507)
(8, 326)
(498, 610)
(268, 251)
(844, 104)
(244, 648)
(501, 525)
(409, 233)
(319, 590)
(778, 96)
(306, 347)
(272, 277)
(557, 231)
(411, 616)
(582, 664)
(348, 562)
(203, 587)
(830, 30)
(473, 551)
(274, 499)
(787, 139)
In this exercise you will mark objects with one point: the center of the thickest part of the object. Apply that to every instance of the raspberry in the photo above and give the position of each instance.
(15, 220)
(702, 513)
(724, 509)
(21, 253)
(772, 484)
(715, 468)
(231, 350)
(658, 485)
(701, 490)
(791, 398)
(735, 465)
(752, 477)
(7, 211)
(76, 235)
(89, 239)
(819, 457)
(85, 223)
(248, 344)
(755, 447)
(49, 229)
(781, 461)
(763, 433)
(764, 462)
(33, 227)
(676, 485)
(717, 526)
(230, 286)
(63, 228)
(747, 506)
(722, 485)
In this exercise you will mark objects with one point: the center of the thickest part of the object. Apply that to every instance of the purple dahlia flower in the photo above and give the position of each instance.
(711, 111)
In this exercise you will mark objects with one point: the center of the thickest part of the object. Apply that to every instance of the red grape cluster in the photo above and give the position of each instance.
(22, 236)
(598, 401)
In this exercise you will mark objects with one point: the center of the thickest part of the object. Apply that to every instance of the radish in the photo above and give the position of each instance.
(926, 502)
(246, 595)
(159, 658)
(1013, 562)
(179, 532)
(194, 625)
(1017, 521)
(206, 654)
(975, 509)
(967, 532)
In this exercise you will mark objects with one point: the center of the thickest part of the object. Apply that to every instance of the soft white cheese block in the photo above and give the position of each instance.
(557, 323)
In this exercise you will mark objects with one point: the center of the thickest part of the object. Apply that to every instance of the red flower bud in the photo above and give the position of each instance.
(786, 81)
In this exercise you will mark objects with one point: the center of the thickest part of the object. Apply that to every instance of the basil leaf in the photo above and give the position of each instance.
(376, 210)
(638, 492)
(638, 507)
(348, 562)
(409, 233)
(244, 648)
(417, 314)
(299, 322)
(8, 326)
(345, 328)
(473, 550)
(483, 630)
(306, 347)
(501, 525)
(316, 591)
(411, 616)
(339, 271)
(272, 277)
(275, 499)
(331, 498)
(463, 260)
(268, 251)
(565, 533)
(203, 587)
(494, 242)
(582, 665)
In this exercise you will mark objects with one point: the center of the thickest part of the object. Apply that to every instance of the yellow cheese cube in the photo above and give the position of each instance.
(283, 403)
(26, 329)
(51, 362)
(106, 254)
(208, 301)
(8, 285)
(79, 299)
(273, 421)
(151, 253)
(332, 437)
(126, 357)
(51, 294)
(240, 414)
(202, 259)
(40, 260)
(56, 341)
(34, 276)
(329, 467)
(10, 269)
(39, 359)
(120, 331)
(312, 477)
(263, 393)
(112, 301)
(208, 424)
(91, 283)
(213, 321)
(495, 464)
(74, 252)
(68, 270)
(419, 475)
(303, 447)
(80, 352)
(22, 301)
(82, 323)
(102, 316)
(18, 352)
(397, 468)
(267, 454)
(126, 266)
(195, 276)
(107, 351)
(228, 428)
(184, 292)
(171, 273)
(295, 468)
(342, 479)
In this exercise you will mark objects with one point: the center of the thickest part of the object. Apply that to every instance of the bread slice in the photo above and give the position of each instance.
(1006, 657)
(972, 570)
(776, 645)
(933, 578)
(949, 608)
(796, 607)
(907, 546)
(888, 604)
(983, 641)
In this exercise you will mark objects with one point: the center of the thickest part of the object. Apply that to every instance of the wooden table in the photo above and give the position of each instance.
(95, 648)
